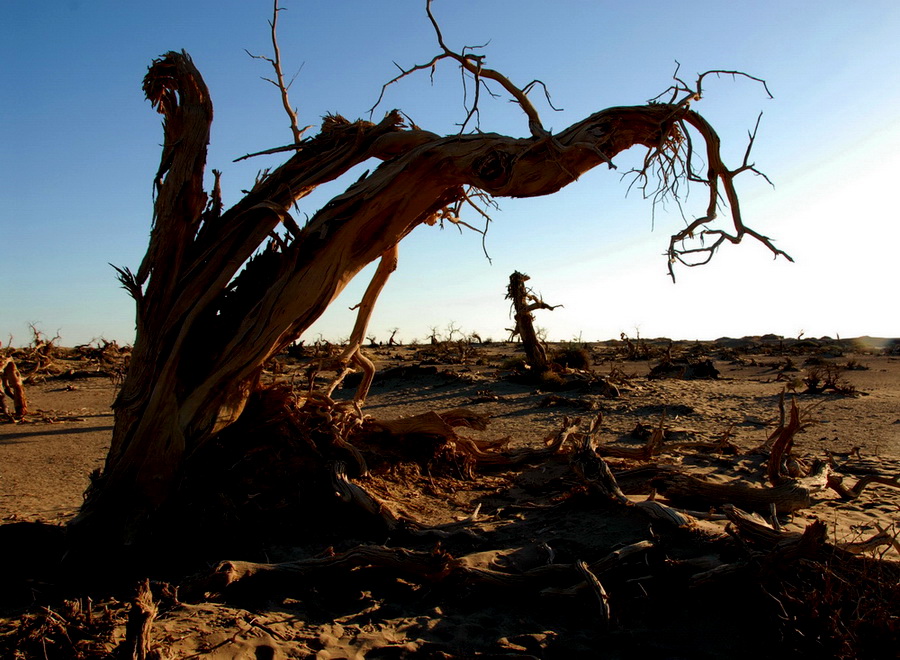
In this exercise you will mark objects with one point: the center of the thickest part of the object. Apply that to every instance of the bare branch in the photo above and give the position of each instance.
(718, 175)
(296, 131)
(273, 150)
(734, 74)
(528, 87)
(474, 65)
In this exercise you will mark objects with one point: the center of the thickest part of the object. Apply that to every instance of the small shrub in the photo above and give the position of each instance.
(515, 363)
(572, 357)
(550, 380)
(828, 377)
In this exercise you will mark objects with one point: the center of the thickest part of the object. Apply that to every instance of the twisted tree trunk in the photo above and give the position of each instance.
(210, 314)
(524, 303)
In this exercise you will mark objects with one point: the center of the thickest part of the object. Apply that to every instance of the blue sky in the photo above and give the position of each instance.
(81, 145)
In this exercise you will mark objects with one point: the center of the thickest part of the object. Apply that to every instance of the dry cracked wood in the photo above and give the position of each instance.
(486, 568)
(787, 497)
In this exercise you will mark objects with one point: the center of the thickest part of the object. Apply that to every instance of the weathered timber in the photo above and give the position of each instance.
(787, 497)
(489, 568)
(836, 483)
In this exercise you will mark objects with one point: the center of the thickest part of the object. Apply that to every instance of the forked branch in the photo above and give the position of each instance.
(283, 87)
(353, 352)
(683, 94)
(673, 164)
(474, 65)
(718, 175)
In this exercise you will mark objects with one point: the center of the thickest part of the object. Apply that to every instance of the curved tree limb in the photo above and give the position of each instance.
(352, 353)
(718, 175)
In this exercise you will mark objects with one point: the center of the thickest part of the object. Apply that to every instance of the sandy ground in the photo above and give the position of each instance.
(45, 461)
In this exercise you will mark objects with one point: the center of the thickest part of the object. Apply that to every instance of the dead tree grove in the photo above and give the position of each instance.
(221, 291)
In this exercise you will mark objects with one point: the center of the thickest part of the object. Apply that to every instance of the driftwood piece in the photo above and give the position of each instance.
(11, 381)
(780, 549)
(604, 565)
(754, 529)
(597, 587)
(483, 453)
(486, 568)
(353, 493)
(807, 545)
(443, 426)
(644, 453)
(882, 538)
(431, 423)
(556, 441)
(664, 513)
(790, 496)
(138, 641)
(836, 483)
(595, 472)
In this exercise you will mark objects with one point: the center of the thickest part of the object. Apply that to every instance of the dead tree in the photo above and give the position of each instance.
(220, 292)
(11, 384)
(525, 302)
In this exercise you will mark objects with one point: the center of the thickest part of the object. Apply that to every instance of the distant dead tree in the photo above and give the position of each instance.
(525, 302)
(11, 385)
(220, 292)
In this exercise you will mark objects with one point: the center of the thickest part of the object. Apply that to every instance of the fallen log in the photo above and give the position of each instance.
(754, 529)
(430, 423)
(644, 453)
(836, 483)
(486, 568)
(596, 475)
(787, 497)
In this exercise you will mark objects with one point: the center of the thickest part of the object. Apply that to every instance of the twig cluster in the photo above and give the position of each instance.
(673, 164)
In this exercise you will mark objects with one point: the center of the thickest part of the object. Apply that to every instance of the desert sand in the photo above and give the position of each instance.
(517, 518)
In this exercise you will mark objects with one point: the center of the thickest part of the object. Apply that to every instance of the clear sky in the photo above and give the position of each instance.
(79, 147)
